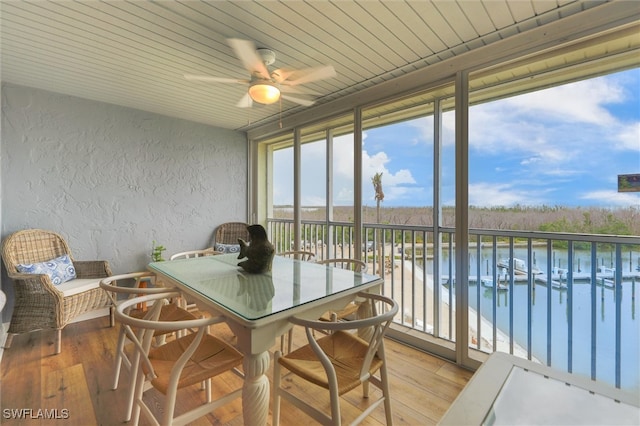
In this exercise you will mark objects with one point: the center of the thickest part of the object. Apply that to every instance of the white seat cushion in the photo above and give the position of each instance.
(78, 285)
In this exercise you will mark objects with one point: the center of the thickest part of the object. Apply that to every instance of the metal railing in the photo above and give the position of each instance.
(565, 300)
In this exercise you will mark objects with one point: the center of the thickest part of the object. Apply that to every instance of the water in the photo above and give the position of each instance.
(555, 311)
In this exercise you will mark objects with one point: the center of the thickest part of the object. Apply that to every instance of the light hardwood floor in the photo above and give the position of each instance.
(75, 385)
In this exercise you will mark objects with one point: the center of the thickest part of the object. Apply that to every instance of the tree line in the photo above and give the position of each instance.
(582, 220)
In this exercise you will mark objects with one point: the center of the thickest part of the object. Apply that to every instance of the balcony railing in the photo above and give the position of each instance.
(564, 300)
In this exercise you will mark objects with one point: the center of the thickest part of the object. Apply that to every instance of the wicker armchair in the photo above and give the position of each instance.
(226, 236)
(39, 304)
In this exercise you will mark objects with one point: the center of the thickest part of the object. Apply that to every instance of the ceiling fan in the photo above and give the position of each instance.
(267, 87)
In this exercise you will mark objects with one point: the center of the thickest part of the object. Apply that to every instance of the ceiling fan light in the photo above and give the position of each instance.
(264, 92)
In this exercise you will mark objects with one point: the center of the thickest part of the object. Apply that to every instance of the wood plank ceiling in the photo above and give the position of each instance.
(135, 53)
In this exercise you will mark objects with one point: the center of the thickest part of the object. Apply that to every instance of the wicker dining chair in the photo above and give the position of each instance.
(194, 253)
(307, 256)
(118, 293)
(42, 300)
(179, 363)
(352, 307)
(351, 264)
(190, 304)
(339, 362)
(350, 310)
(3, 300)
(227, 234)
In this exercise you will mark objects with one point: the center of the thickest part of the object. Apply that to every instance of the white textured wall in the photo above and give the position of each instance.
(112, 180)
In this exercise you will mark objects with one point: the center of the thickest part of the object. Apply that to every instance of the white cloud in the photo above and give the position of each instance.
(613, 198)
(378, 164)
(344, 196)
(579, 102)
(314, 182)
(486, 194)
(531, 160)
(312, 200)
(564, 171)
(555, 123)
(375, 162)
(424, 126)
(629, 137)
(393, 184)
(343, 155)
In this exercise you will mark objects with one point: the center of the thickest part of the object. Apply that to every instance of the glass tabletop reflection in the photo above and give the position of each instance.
(290, 283)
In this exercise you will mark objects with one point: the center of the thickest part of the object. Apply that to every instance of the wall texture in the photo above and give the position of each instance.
(111, 180)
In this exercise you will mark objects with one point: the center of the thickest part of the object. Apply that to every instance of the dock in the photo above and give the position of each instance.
(558, 280)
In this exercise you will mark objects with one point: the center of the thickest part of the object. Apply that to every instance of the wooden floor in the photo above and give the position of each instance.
(75, 386)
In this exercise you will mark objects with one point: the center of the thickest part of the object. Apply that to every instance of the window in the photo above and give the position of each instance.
(544, 130)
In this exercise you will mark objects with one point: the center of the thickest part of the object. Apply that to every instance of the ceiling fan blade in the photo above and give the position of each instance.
(207, 78)
(281, 74)
(299, 90)
(246, 52)
(308, 75)
(245, 101)
(301, 101)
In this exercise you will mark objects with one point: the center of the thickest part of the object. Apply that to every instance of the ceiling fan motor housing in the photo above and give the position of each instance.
(268, 56)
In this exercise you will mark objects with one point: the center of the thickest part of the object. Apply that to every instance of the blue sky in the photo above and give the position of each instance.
(563, 146)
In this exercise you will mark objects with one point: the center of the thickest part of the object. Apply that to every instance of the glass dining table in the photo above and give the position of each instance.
(257, 306)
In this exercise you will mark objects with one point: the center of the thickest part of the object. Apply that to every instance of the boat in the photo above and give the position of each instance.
(519, 266)
(608, 272)
(489, 284)
(606, 282)
(559, 271)
(559, 285)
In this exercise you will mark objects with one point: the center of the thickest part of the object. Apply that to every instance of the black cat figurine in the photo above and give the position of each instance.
(259, 252)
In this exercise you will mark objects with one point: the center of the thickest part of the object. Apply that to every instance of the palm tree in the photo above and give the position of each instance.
(376, 180)
(377, 186)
